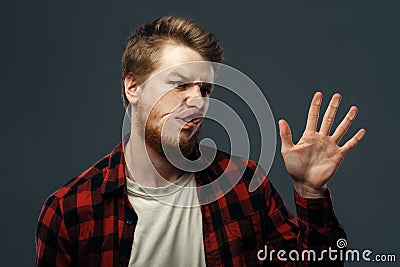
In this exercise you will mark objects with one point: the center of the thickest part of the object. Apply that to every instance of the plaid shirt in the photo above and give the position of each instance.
(90, 221)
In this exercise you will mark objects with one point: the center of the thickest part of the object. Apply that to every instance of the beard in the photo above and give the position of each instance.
(163, 143)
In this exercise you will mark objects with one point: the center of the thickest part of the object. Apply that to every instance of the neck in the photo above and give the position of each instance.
(146, 166)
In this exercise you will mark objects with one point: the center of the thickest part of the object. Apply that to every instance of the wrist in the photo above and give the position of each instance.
(306, 191)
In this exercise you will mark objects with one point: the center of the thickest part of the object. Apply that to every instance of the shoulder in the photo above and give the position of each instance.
(234, 176)
(89, 180)
(235, 166)
(81, 189)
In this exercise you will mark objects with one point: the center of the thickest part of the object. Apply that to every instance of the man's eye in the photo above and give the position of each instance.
(205, 91)
(205, 88)
(181, 85)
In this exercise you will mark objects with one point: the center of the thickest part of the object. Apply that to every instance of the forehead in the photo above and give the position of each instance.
(181, 62)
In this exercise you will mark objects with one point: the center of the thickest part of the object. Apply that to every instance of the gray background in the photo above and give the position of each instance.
(61, 109)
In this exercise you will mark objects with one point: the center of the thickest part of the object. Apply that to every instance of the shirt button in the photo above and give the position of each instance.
(129, 222)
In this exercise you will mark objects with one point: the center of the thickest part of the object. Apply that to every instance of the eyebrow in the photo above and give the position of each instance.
(178, 74)
(185, 78)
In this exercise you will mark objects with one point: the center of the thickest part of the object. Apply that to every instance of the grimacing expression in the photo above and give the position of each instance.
(173, 101)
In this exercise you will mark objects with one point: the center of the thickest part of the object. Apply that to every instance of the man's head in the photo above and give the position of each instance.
(165, 50)
(142, 51)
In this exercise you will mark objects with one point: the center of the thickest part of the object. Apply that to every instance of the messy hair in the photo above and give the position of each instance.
(142, 51)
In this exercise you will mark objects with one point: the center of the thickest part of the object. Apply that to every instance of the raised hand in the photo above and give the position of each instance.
(314, 159)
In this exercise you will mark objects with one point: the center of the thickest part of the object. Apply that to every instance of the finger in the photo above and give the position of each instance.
(286, 134)
(349, 145)
(313, 113)
(330, 114)
(345, 124)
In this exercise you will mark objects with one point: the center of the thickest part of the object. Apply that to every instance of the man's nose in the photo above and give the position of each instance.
(195, 97)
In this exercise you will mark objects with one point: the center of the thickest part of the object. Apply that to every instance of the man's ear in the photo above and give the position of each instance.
(131, 89)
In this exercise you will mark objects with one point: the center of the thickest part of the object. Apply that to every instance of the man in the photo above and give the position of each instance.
(125, 210)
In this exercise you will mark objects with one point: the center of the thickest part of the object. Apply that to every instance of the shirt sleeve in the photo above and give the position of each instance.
(315, 229)
(319, 228)
(52, 240)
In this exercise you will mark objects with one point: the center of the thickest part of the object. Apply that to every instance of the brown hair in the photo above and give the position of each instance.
(142, 51)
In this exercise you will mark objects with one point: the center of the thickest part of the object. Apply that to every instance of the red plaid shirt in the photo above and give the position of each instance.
(90, 221)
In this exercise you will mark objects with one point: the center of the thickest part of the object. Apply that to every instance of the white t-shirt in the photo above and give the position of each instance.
(165, 234)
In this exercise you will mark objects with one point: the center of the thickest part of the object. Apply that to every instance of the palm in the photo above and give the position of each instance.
(315, 158)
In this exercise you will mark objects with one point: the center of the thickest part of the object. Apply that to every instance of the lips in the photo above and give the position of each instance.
(191, 118)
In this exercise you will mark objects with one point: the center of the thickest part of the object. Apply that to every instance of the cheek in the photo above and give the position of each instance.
(169, 102)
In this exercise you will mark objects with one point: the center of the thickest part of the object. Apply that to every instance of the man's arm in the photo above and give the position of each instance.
(315, 228)
(311, 163)
(52, 240)
(319, 230)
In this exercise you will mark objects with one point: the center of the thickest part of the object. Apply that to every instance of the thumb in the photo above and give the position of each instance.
(286, 134)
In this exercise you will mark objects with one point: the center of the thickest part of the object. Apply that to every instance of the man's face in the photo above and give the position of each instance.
(175, 97)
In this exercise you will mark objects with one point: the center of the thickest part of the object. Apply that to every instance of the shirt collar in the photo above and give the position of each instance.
(114, 172)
